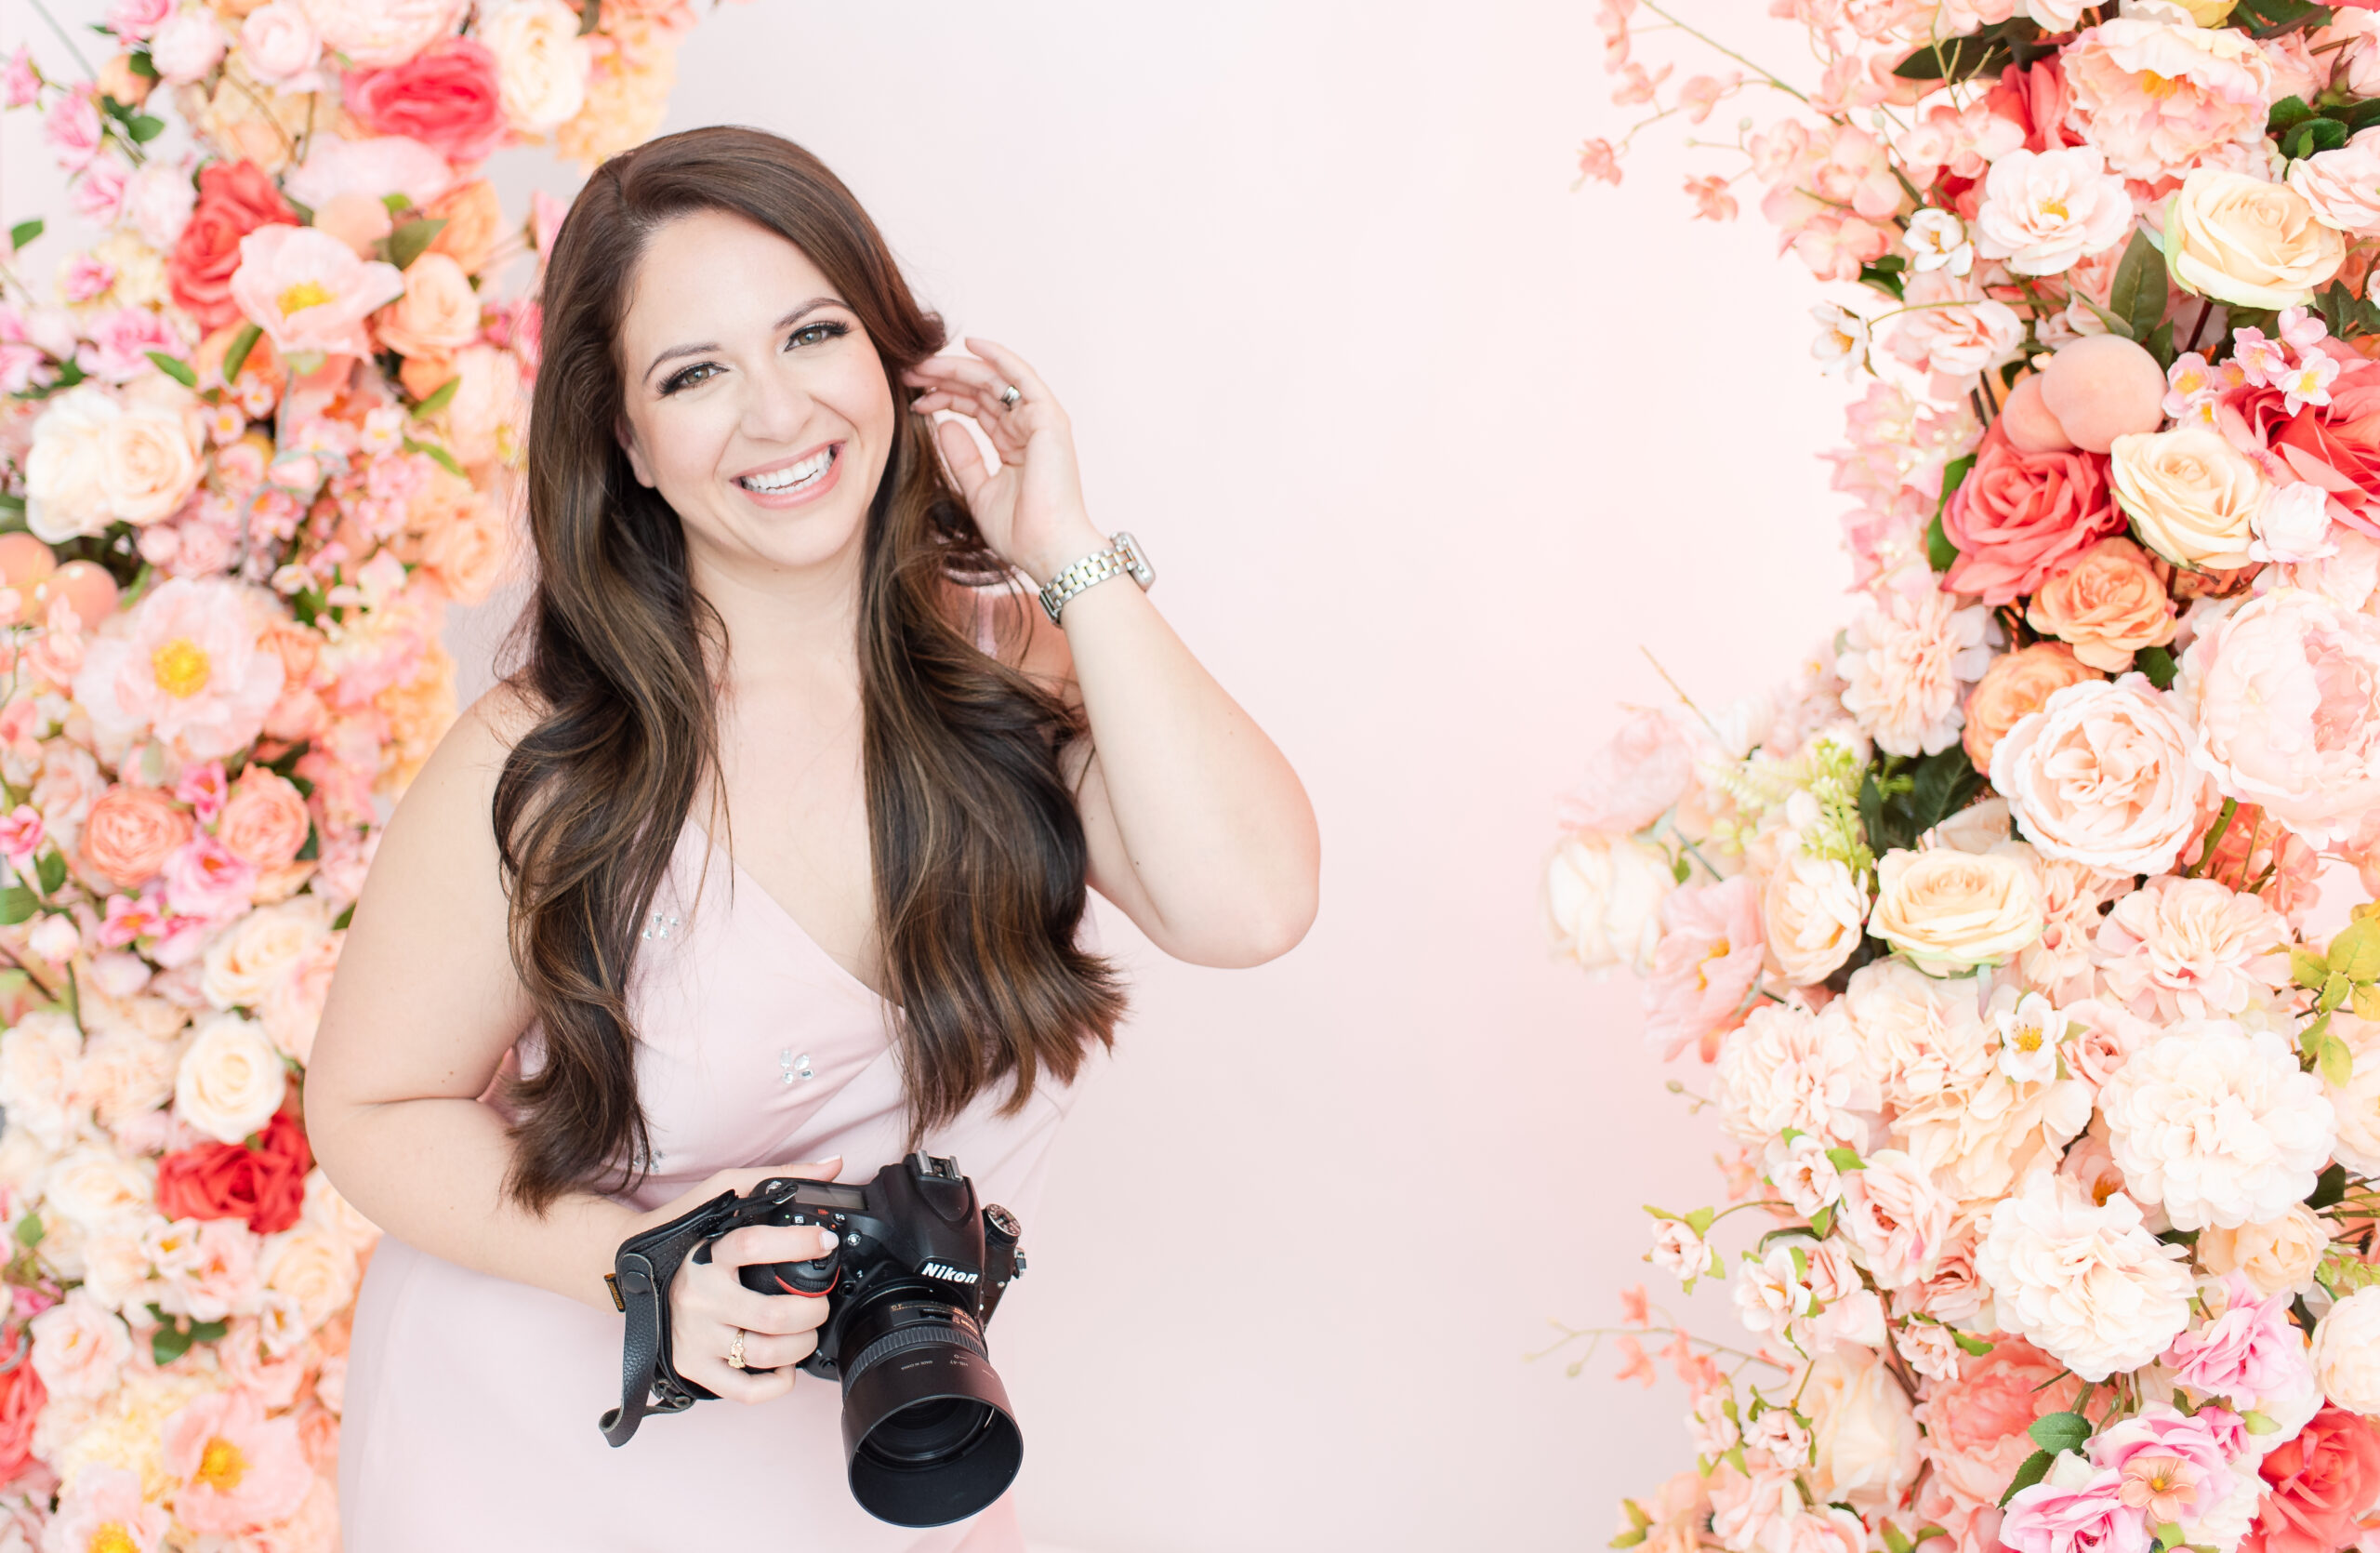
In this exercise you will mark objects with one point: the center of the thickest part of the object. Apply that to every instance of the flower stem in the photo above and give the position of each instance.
(1714, 43)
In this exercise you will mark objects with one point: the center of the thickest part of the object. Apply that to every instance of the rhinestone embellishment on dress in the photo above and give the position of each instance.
(662, 922)
(795, 1068)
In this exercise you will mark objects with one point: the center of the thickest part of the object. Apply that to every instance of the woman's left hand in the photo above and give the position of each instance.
(1029, 507)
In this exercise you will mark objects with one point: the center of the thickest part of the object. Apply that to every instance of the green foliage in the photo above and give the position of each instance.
(175, 1333)
(2054, 1432)
(1977, 1347)
(140, 65)
(439, 456)
(1986, 52)
(2311, 136)
(2158, 664)
(174, 367)
(50, 869)
(1902, 798)
(2035, 1467)
(30, 1230)
(2354, 951)
(2329, 1189)
(1939, 552)
(2137, 294)
(17, 904)
(1844, 1158)
(1884, 274)
(25, 232)
(410, 241)
(235, 356)
(439, 397)
(2265, 19)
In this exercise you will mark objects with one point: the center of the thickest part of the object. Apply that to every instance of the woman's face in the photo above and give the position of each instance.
(754, 403)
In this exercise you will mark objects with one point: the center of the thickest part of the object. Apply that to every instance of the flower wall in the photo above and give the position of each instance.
(254, 440)
(2052, 1122)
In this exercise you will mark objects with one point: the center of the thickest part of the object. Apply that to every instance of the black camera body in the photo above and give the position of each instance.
(928, 1432)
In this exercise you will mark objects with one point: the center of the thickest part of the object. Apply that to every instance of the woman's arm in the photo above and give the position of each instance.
(422, 1010)
(1198, 828)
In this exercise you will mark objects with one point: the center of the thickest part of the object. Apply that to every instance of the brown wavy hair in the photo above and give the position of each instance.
(977, 850)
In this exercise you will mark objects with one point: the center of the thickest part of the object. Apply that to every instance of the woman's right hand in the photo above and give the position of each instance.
(707, 1304)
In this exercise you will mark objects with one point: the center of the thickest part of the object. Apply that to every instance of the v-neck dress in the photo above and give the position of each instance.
(471, 1400)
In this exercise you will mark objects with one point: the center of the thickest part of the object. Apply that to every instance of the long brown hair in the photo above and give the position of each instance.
(977, 850)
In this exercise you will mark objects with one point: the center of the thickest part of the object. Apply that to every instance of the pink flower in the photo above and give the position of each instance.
(309, 291)
(447, 96)
(2020, 517)
(86, 277)
(204, 789)
(2251, 1350)
(2171, 1465)
(2157, 96)
(1953, 331)
(21, 834)
(206, 879)
(19, 85)
(138, 19)
(1598, 161)
(2077, 1509)
(382, 32)
(1974, 1426)
(189, 669)
(98, 193)
(1633, 779)
(120, 343)
(105, 1509)
(1906, 663)
(236, 1468)
(187, 46)
(2192, 947)
(1709, 957)
(280, 44)
(73, 131)
(2284, 693)
(2101, 775)
(216, 1276)
(1898, 1216)
(1712, 201)
(2043, 211)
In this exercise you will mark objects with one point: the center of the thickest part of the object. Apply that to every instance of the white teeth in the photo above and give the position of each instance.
(791, 478)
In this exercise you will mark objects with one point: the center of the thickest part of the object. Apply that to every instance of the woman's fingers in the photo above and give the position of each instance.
(754, 1383)
(965, 459)
(767, 1351)
(1014, 369)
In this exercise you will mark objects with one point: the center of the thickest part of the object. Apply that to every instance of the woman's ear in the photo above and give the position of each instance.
(626, 435)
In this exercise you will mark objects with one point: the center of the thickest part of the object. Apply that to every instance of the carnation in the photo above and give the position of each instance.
(1786, 1067)
(1907, 662)
(2218, 1124)
(2086, 1281)
(2101, 775)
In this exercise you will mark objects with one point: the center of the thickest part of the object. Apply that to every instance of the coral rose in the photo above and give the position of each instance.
(1951, 912)
(2016, 684)
(2320, 1482)
(2284, 692)
(22, 1397)
(131, 832)
(2336, 446)
(2107, 604)
(448, 97)
(264, 821)
(2191, 496)
(438, 314)
(2102, 775)
(264, 1186)
(2018, 516)
(2247, 242)
(235, 198)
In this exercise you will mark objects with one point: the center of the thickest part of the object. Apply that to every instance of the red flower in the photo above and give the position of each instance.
(22, 1396)
(2018, 517)
(2337, 446)
(447, 97)
(235, 198)
(265, 1185)
(2320, 1480)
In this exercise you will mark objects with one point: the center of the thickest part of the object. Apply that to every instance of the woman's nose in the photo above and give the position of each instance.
(775, 408)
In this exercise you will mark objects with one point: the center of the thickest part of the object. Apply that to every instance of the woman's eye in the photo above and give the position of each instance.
(688, 376)
(813, 333)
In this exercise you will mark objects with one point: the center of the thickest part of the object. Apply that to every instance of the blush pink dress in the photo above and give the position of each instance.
(472, 1399)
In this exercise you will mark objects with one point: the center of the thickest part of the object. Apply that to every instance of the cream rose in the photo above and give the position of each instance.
(124, 1074)
(1951, 912)
(1602, 900)
(251, 960)
(96, 1188)
(438, 314)
(2192, 498)
(2102, 775)
(65, 471)
(80, 1346)
(230, 1081)
(314, 1267)
(2274, 1257)
(2346, 1353)
(40, 1075)
(540, 63)
(2243, 240)
(1862, 1426)
(1811, 909)
(147, 466)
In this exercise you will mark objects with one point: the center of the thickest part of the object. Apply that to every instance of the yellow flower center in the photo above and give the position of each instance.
(305, 294)
(221, 1465)
(180, 668)
(112, 1538)
(2053, 208)
(1702, 973)
(2027, 1039)
(2157, 86)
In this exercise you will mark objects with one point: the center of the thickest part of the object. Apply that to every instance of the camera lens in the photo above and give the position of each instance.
(927, 1430)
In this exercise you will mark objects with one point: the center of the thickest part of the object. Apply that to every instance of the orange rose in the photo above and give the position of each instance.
(131, 832)
(438, 314)
(2107, 604)
(473, 217)
(264, 821)
(2016, 684)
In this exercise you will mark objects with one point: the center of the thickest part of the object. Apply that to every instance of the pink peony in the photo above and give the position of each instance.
(2284, 692)
(2018, 517)
(2171, 1466)
(1633, 779)
(2156, 95)
(2250, 1349)
(236, 1467)
(1898, 1216)
(2192, 947)
(309, 291)
(2101, 775)
(73, 131)
(1953, 331)
(2079, 1508)
(121, 340)
(1709, 954)
(105, 1509)
(189, 669)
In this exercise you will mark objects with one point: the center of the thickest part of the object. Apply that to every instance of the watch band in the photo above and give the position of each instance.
(1122, 555)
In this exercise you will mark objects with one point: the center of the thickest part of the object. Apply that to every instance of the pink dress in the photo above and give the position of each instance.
(472, 1399)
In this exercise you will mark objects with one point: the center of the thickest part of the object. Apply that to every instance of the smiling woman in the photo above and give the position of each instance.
(776, 617)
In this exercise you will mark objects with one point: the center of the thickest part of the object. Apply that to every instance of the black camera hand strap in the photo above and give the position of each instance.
(641, 1273)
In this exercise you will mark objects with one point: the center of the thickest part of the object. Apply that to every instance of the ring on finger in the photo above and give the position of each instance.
(1009, 397)
(735, 1350)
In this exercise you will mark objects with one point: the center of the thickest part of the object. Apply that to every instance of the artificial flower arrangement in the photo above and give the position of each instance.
(2053, 1123)
(253, 441)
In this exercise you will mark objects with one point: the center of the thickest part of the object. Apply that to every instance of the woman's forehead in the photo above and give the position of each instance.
(712, 270)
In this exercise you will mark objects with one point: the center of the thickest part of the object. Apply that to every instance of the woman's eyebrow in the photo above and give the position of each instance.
(789, 321)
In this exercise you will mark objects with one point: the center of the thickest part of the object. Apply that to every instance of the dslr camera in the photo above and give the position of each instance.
(928, 1436)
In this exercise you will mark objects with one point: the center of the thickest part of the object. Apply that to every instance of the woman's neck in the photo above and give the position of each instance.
(787, 618)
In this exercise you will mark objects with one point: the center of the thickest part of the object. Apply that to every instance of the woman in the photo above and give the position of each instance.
(771, 858)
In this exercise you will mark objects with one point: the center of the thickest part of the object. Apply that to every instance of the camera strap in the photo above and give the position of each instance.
(643, 1270)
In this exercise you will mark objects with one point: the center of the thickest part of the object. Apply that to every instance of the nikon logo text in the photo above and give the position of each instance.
(944, 1270)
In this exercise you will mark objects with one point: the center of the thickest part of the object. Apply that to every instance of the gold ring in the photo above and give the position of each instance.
(735, 1351)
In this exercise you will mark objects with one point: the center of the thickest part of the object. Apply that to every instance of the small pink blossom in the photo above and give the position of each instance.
(1712, 201)
(1703, 93)
(1598, 161)
(1636, 85)
(203, 787)
(86, 277)
(121, 340)
(2195, 386)
(138, 18)
(206, 879)
(1635, 1364)
(73, 131)
(98, 193)
(2308, 382)
(19, 85)
(21, 834)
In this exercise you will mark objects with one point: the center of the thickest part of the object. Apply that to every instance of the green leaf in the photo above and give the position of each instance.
(169, 1343)
(140, 65)
(313, 847)
(2354, 951)
(1940, 554)
(411, 240)
(1975, 1345)
(2137, 294)
(236, 356)
(2035, 1467)
(397, 204)
(338, 923)
(1823, 1221)
(209, 1332)
(2160, 345)
(1953, 59)
(25, 232)
(2329, 1189)
(30, 1230)
(2336, 1061)
(2289, 111)
(2335, 990)
(1947, 782)
(2060, 1432)
(438, 398)
(1954, 474)
(2158, 664)
(1895, 1542)
(50, 869)
(17, 903)
(1884, 276)
(2169, 1533)
(144, 128)
(444, 458)
(1701, 1219)
(1844, 1158)
(174, 367)
(2260, 1423)
(2308, 969)
(1629, 1538)
(2265, 19)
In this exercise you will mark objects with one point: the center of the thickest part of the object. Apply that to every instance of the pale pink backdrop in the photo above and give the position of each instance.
(1425, 447)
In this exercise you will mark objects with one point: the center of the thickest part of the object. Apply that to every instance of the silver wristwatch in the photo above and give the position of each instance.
(1123, 554)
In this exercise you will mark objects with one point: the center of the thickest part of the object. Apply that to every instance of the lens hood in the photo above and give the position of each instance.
(928, 1436)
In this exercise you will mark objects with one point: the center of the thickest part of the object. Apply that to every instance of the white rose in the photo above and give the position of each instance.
(80, 1346)
(96, 1189)
(2356, 1106)
(1602, 900)
(187, 45)
(316, 1269)
(147, 465)
(247, 962)
(2218, 1124)
(230, 1081)
(2346, 1353)
(2274, 1257)
(40, 1058)
(1951, 912)
(280, 46)
(66, 471)
(540, 62)
(2086, 1281)
(1811, 910)
(1862, 1425)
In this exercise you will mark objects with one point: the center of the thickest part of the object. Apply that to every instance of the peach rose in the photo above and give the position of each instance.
(488, 405)
(131, 832)
(474, 219)
(2274, 1256)
(2102, 775)
(1811, 909)
(80, 1346)
(2016, 684)
(2247, 242)
(469, 551)
(313, 1266)
(2191, 496)
(1951, 912)
(2109, 605)
(264, 821)
(438, 314)
(262, 949)
(230, 1081)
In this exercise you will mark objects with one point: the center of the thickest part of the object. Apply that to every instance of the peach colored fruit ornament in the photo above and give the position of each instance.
(2028, 422)
(2102, 387)
(25, 560)
(84, 586)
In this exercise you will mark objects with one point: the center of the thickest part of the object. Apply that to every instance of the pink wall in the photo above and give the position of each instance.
(1425, 447)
